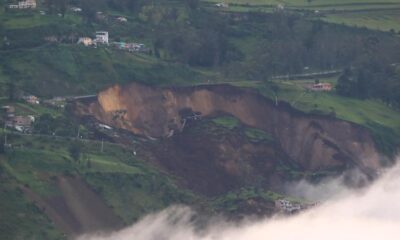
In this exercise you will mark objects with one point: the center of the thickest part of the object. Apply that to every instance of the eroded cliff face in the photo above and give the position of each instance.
(314, 142)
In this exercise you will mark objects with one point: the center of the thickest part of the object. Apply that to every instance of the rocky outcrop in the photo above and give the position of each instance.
(314, 142)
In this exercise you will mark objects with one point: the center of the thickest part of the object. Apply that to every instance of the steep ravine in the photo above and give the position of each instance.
(314, 142)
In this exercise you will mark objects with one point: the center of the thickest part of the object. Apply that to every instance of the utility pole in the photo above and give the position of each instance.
(5, 135)
(79, 130)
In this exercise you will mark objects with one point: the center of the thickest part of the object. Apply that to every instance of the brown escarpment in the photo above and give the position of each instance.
(314, 142)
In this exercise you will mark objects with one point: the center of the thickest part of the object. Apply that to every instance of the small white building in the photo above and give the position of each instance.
(280, 7)
(76, 9)
(27, 4)
(122, 19)
(222, 5)
(287, 206)
(102, 37)
(31, 99)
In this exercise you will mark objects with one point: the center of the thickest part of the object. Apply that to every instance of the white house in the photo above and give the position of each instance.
(222, 5)
(76, 9)
(31, 99)
(280, 7)
(27, 4)
(287, 206)
(122, 19)
(101, 37)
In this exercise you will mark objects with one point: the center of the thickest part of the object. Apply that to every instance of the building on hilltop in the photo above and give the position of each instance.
(31, 99)
(21, 123)
(27, 4)
(222, 5)
(76, 9)
(101, 37)
(287, 206)
(322, 87)
(122, 19)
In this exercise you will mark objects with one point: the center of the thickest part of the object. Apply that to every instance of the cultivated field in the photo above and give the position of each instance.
(380, 15)
(380, 20)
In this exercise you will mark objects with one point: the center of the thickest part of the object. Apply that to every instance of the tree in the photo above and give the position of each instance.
(192, 4)
(89, 163)
(45, 124)
(75, 150)
(62, 6)
(50, 5)
(2, 147)
(11, 89)
(89, 10)
(346, 85)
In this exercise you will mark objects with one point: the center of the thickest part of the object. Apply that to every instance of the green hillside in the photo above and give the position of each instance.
(35, 163)
(73, 70)
(381, 119)
(187, 43)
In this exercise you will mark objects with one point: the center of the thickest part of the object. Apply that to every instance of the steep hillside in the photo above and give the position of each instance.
(50, 195)
(314, 142)
(72, 70)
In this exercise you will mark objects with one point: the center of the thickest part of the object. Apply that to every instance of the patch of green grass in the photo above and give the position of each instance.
(258, 135)
(33, 169)
(73, 70)
(101, 163)
(337, 4)
(31, 19)
(378, 20)
(130, 186)
(368, 113)
(227, 122)
(134, 195)
(19, 218)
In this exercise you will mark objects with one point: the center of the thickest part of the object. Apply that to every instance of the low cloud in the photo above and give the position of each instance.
(371, 214)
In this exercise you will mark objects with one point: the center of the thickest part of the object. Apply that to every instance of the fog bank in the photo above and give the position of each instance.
(371, 214)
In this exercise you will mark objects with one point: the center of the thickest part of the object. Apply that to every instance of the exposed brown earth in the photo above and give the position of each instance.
(314, 142)
(213, 162)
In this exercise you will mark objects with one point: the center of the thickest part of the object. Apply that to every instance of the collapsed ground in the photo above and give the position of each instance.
(242, 45)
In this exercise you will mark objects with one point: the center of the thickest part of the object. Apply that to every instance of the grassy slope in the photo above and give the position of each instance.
(383, 121)
(19, 218)
(131, 187)
(378, 15)
(380, 20)
(69, 70)
(305, 3)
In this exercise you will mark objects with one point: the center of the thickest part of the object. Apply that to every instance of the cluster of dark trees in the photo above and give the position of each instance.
(252, 45)
(56, 6)
(58, 126)
(279, 43)
(289, 44)
(372, 80)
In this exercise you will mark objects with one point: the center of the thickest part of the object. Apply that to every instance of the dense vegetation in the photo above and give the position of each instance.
(190, 42)
(249, 45)
(372, 80)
